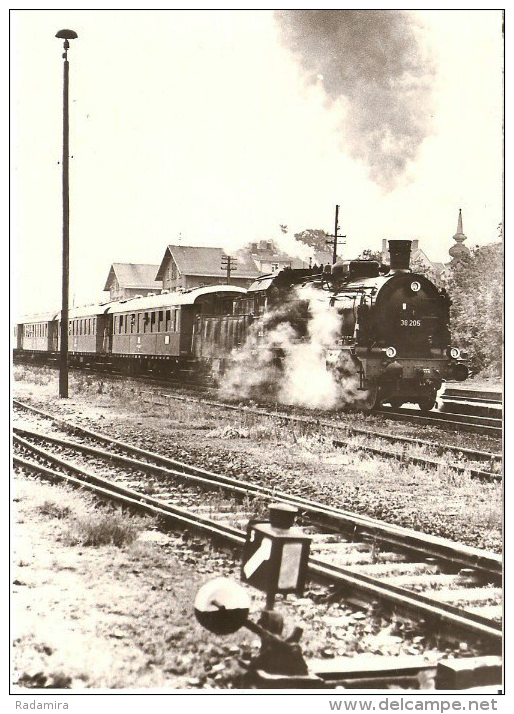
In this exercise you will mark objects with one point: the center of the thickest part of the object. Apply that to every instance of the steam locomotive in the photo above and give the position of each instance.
(392, 335)
(393, 327)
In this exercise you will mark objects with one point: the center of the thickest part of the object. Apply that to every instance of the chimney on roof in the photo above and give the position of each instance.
(415, 244)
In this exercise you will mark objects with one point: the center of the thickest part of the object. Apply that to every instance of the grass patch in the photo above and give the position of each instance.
(100, 529)
(53, 509)
(33, 375)
(84, 521)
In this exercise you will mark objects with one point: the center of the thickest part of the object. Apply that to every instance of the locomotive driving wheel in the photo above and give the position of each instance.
(371, 400)
(426, 404)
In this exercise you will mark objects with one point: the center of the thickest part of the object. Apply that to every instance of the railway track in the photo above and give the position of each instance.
(492, 460)
(470, 420)
(401, 454)
(449, 418)
(456, 422)
(452, 587)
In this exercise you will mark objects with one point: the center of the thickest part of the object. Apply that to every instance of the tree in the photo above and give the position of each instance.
(476, 291)
(368, 254)
(314, 237)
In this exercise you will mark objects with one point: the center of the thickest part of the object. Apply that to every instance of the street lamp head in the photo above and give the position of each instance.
(67, 35)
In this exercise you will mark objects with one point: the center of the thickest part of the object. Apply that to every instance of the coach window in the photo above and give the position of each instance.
(167, 326)
(153, 322)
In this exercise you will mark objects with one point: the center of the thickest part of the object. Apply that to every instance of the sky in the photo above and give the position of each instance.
(216, 127)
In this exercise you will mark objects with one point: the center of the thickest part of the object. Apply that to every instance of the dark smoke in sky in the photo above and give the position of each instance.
(372, 59)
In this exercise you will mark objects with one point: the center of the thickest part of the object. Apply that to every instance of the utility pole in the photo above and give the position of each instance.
(65, 35)
(335, 237)
(228, 263)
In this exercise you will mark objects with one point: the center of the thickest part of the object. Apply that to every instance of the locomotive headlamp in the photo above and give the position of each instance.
(415, 286)
(390, 352)
(454, 352)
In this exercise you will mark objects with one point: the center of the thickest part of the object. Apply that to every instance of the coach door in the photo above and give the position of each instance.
(186, 316)
(53, 335)
(107, 333)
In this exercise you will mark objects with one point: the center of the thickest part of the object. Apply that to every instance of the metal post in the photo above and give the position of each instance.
(270, 600)
(63, 370)
(336, 227)
(335, 237)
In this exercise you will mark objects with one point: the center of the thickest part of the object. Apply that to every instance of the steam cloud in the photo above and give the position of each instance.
(301, 329)
(373, 60)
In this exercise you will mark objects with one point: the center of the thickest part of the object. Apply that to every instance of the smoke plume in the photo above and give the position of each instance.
(371, 62)
(299, 330)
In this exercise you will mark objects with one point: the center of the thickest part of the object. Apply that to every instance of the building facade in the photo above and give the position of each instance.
(126, 280)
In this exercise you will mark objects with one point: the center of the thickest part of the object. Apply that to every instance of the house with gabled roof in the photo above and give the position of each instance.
(126, 280)
(184, 267)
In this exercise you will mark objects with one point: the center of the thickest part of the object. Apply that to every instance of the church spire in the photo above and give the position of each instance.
(459, 228)
(459, 250)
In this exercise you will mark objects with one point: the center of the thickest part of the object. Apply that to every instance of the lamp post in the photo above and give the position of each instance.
(66, 35)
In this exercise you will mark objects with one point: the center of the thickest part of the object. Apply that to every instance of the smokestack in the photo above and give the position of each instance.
(399, 252)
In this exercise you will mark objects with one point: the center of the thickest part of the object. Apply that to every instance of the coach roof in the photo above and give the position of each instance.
(172, 299)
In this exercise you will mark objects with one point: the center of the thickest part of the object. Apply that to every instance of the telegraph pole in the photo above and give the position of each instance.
(335, 236)
(66, 35)
(228, 263)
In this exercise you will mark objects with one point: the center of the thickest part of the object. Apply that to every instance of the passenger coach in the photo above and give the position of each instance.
(156, 333)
